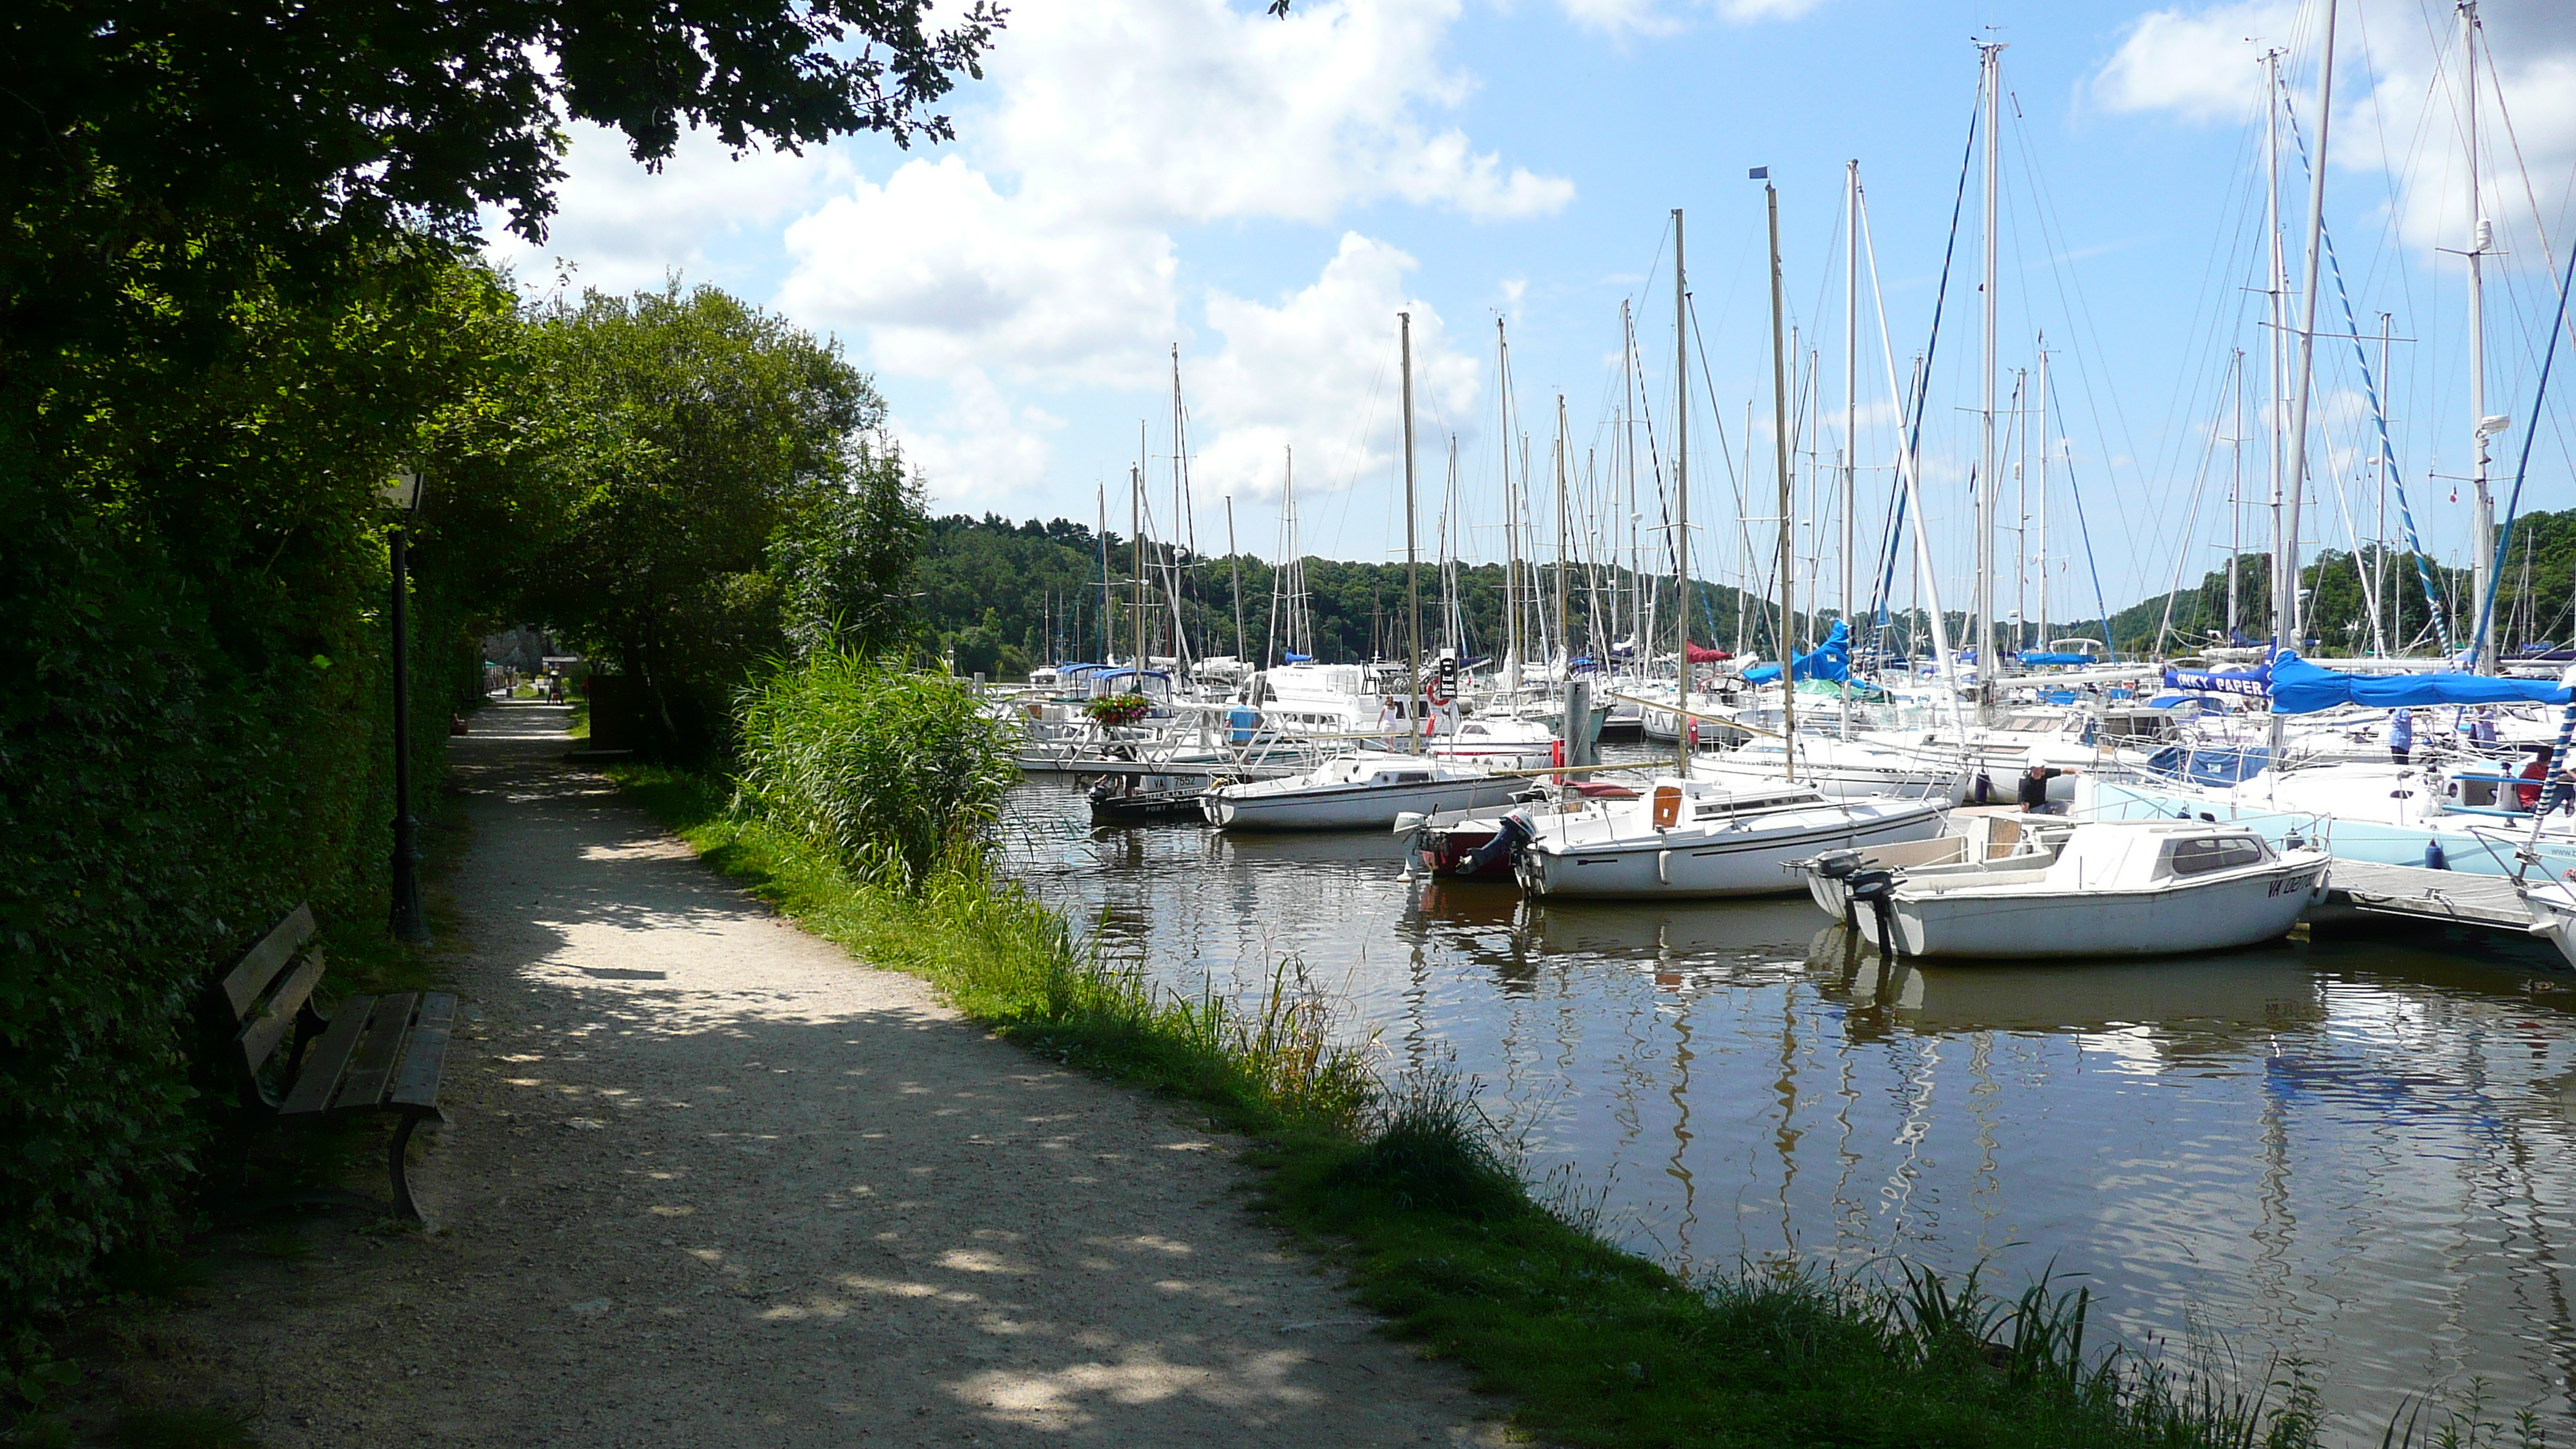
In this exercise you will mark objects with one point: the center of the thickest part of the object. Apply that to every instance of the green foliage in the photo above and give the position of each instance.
(723, 505)
(141, 129)
(196, 733)
(231, 302)
(1037, 586)
(892, 771)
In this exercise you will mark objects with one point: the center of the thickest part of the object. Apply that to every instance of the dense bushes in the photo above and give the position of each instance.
(894, 772)
(194, 735)
(722, 500)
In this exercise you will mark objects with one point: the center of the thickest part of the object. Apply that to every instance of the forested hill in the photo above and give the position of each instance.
(2531, 606)
(1001, 595)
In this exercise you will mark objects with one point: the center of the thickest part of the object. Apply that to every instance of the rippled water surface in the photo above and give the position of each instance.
(2353, 1153)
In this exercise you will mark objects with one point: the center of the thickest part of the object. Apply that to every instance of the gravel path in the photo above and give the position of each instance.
(712, 1183)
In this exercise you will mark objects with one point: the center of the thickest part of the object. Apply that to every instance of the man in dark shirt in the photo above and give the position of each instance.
(2034, 787)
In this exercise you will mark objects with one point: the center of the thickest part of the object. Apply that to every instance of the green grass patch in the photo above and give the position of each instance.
(1428, 1207)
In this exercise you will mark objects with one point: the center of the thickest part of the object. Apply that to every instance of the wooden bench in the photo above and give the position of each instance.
(372, 1054)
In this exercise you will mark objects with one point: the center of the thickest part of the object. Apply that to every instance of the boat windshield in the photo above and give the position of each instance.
(2203, 854)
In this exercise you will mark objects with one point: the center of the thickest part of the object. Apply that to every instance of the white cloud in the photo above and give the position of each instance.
(1044, 255)
(2202, 65)
(1319, 370)
(625, 227)
(980, 452)
(944, 274)
(1195, 110)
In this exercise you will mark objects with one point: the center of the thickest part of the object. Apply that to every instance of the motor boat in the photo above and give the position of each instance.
(1365, 790)
(2097, 888)
(1700, 838)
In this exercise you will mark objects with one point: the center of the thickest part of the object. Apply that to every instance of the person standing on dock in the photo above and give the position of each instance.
(2401, 735)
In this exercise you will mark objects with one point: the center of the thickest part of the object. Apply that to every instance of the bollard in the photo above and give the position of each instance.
(1582, 746)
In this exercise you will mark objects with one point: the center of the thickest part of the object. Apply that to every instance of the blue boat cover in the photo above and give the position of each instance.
(2046, 656)
(1296, 658)
(2296, 686)
(1830, 660)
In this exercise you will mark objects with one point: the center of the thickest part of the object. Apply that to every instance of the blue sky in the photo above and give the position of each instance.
(1267, 194)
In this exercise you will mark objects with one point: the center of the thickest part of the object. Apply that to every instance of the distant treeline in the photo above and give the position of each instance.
(1001, 596)
(2531, 603)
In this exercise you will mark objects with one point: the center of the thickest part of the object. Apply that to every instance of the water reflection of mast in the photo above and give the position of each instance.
(2279, 1228)
(1786, 1137)
(1680, 1169)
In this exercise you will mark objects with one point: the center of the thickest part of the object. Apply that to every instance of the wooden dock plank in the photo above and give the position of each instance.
(2447, 896)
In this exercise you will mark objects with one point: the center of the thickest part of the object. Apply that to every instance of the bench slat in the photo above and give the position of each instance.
(247, 980)
(425, 1055)
(318, 1080)
(377, 1054)
(261, 1035)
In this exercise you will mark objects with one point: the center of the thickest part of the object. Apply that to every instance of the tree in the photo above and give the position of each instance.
(725, 499)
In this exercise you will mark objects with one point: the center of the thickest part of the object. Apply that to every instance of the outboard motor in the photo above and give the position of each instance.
(1876, 889)
(1515, 832)
(1838, 864)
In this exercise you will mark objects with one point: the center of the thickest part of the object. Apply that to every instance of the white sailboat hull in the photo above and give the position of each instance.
(1353, 807)
(2043, 921)
(1752, 858)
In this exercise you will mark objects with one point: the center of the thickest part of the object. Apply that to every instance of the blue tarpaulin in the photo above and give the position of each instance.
(2296, 686)
(1830, 660)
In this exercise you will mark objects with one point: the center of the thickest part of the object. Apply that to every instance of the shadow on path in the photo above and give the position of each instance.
(711, 1182)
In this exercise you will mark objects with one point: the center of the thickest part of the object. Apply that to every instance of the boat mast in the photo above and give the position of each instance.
(1235, 560)
(1412, 550)
(2298, 467)
(1136, 520)
(2021, 508)
(2276, 287)
(2379, 466)
(1990, 62)
(2482, 504)
(2235, 491)
(1640, 599)
(1108, 611)
(1851, 393)
(1564, 615)
(1780, 453)
(1511, 533)
(2039, 640)
(1681, 502)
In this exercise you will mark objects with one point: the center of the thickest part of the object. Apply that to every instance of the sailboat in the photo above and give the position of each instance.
(1369, 789)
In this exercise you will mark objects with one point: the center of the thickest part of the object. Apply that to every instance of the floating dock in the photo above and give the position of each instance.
(2361, 890)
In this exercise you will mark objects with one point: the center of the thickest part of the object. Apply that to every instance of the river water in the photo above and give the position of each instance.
(2354, 1154)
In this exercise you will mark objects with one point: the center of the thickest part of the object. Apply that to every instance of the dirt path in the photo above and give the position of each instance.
(711, 1183)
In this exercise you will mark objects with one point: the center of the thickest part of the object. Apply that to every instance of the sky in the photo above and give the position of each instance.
(1266, 195)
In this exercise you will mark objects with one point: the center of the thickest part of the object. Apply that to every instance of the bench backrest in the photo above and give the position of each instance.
(266, 992)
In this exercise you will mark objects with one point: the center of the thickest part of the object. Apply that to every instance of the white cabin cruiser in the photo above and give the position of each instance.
(1365, 790)
(2102, 888)
(1697, 838)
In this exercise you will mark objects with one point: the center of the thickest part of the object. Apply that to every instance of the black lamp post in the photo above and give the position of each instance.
(402, 495)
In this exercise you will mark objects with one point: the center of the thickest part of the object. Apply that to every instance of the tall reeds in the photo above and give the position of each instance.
(892, 770)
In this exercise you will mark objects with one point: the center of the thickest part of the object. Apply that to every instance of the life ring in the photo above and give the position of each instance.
(1438, 692)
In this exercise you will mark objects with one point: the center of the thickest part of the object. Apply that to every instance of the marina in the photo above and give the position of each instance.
(2358, 1151)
